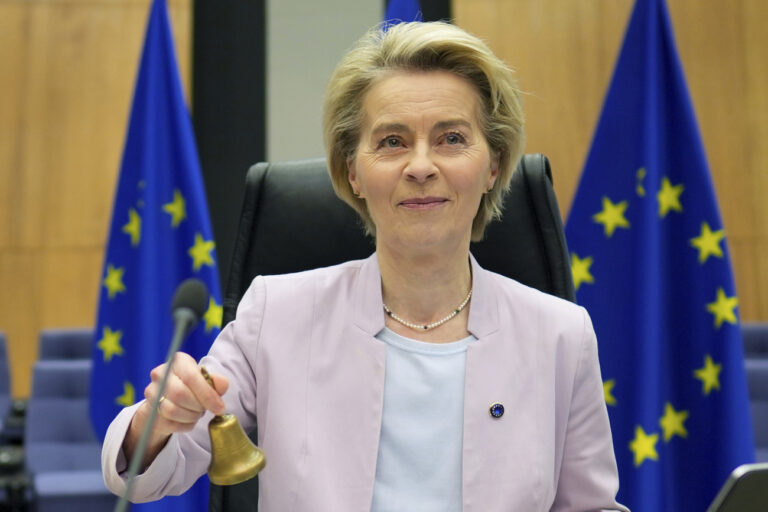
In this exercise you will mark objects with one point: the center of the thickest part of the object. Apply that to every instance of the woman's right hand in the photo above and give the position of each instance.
(187, 396)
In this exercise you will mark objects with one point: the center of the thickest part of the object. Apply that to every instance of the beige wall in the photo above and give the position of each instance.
(66, 82)
(564, 52)
(297, 71)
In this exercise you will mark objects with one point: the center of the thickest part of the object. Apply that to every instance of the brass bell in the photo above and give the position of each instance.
(234, 458)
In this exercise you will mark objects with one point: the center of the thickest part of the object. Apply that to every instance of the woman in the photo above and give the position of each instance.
(382, 384)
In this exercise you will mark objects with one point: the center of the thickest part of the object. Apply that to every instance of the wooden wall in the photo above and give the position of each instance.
(66, 83)
(564, 53)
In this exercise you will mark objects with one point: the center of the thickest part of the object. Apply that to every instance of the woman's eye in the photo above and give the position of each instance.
(390, 142)
(454, 138)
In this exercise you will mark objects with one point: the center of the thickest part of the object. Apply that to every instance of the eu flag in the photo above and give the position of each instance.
(160, 235)
(650, 262)
(398, 11)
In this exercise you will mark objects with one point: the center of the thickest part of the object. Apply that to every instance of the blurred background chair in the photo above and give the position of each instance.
(74, 343)
(291, 220)
(14, 484)
(5, 381)
(755, 336)
(757, 379)
(62, 453)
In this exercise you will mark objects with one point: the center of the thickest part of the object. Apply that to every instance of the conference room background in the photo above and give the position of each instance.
(254, 73)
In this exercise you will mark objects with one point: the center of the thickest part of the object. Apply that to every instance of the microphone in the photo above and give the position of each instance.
(189, 303)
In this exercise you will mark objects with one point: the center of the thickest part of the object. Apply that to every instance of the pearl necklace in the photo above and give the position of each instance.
(427, 327)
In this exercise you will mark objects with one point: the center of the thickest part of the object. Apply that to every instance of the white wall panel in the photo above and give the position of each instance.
(305, 40)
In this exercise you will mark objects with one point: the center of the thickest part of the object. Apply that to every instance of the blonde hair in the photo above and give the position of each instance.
(421, 46)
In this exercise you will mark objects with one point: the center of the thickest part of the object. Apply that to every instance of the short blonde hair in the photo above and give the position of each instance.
(421, 46)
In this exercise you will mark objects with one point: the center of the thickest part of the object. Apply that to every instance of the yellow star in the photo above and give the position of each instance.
(201, 252)
(723, 307)
(709, 375)
(213, 315)
(110, 343)
(177, 208)
(128, 397)
(580, 270)
(644, 446)
(669, 197)
(672, 422)
(612, 216)
(114, 280)
(608, 392)
(133, 227)
(708, 243)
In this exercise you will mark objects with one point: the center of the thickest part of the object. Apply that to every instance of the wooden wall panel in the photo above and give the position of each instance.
(753, 18)
(65, 91)
(564, 53)
(12, 82)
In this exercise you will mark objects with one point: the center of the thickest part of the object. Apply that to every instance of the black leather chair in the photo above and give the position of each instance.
(291, 220)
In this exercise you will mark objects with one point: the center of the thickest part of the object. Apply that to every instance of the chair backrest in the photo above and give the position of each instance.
(291, 220)
(757, 380)
(58, 433)
(58, 436)
(61, 379)
(755, 339)
(75, 343)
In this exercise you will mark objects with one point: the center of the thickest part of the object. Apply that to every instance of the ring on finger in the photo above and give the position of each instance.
(160, 402)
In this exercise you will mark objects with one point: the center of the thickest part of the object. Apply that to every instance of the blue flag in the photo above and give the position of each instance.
(651, 264)
(160, 235)
(402, 10)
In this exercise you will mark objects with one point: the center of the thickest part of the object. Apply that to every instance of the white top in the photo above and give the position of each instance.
(419, 460)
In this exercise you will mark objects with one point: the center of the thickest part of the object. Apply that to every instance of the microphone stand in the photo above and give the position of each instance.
(184, 318)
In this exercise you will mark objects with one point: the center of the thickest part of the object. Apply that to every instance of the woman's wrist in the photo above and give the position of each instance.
(155, 443)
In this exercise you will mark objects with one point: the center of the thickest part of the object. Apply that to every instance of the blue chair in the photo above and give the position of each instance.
(61, 379)
(757, 379)
(62, 452)
(755, 339)
(5, 381)
(65, 344)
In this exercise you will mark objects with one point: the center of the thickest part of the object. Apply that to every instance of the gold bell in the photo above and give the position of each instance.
(234, 458)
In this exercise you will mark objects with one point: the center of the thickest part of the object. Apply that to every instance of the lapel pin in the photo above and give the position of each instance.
(497, 410)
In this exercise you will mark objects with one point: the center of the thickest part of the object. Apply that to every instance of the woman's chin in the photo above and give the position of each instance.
(425, 239)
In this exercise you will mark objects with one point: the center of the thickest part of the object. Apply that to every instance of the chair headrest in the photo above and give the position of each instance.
(292, 220)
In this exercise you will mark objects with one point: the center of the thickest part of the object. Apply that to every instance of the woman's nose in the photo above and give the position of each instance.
(421, 167)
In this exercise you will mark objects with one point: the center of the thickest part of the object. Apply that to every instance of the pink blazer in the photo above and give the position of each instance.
(303, 357)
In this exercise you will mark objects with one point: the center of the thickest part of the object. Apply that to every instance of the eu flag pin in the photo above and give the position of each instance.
(497, 410)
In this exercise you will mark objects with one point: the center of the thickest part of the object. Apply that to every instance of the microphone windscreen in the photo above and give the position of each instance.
(191, 294)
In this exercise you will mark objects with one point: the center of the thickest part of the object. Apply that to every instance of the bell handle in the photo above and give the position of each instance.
(207, 376)
(209, 380)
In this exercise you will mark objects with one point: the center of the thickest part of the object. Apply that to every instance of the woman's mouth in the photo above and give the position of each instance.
(423, 203)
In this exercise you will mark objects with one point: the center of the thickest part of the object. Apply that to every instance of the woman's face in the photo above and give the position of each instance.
(422, 163)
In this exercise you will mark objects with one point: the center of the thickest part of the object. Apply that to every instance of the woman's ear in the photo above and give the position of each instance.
(494, 173)
(352, 177)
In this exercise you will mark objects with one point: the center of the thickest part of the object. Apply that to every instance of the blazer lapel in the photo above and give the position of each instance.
(484, 308)
(500, 369)
(364, 396)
